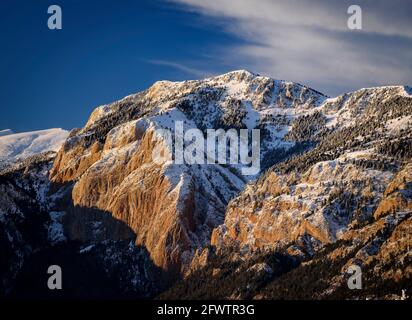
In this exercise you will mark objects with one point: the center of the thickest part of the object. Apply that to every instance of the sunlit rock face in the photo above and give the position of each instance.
(358, 172)
(174, 208)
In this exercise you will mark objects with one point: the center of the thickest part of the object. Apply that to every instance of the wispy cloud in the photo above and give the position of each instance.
(309, 42)
(198, 73)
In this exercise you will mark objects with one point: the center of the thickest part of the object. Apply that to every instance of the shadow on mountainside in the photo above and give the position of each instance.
(99, 259)
(96, 252)
(85, 275)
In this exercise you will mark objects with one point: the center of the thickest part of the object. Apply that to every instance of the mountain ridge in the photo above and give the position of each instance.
(14, 146)
(331, 168)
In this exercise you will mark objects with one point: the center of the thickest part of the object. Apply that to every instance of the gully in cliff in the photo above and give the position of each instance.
(190, 147)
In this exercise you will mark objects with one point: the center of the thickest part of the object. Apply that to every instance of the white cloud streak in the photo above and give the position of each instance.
(309, 42)
(198, 73)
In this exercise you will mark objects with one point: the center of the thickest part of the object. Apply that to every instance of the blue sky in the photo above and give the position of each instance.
(109, 49)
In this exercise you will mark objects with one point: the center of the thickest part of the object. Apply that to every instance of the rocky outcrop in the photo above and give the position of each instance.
(381, 250)
(282, 211)
(171, 208)
(398, 195)
(161, 204)
(33, 236)
(357, 172)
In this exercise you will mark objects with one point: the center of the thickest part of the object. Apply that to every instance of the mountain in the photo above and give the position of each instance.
(15, 146)
(5, 132)
(346, 201)
(362, 140)
(173, 208)
(334, 189)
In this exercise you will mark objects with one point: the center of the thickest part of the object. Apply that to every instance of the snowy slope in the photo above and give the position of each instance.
(237, 99)
(5, 132)
(25, 144)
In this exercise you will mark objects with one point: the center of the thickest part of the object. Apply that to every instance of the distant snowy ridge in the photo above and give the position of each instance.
(14, 146)
(5, 132)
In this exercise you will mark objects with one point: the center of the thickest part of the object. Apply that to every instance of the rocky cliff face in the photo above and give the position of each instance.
(347, 179)
(33, 236)
(172, 208)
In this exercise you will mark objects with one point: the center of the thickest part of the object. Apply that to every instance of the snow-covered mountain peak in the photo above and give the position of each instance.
(366, 102)
(252, 91)
(5, 132)
(239, 75)
(22, 145)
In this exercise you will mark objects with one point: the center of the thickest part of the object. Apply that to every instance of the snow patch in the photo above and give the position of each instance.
(5, 132)
(55, 229)
(394, 126)
(22, 145)
(86, 249)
